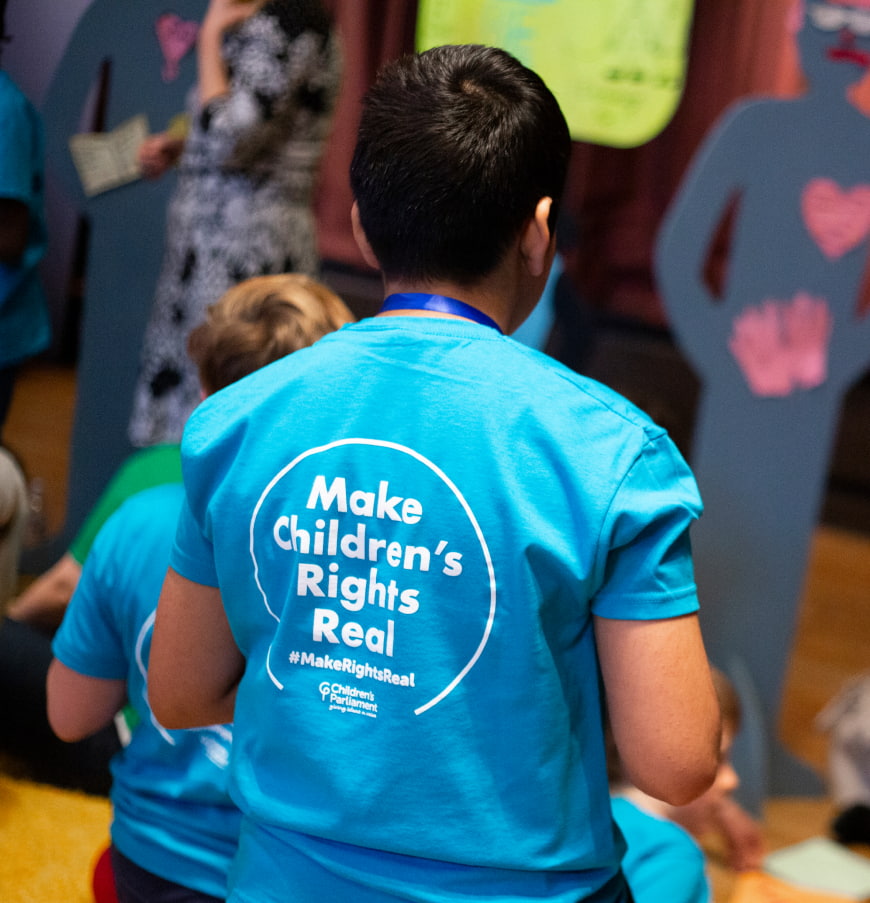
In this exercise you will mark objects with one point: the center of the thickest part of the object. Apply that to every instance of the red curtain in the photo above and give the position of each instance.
(616, 197)
(372, 31)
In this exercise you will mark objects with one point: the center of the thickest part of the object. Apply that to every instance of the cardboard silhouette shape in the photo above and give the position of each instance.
(151, 66)
(776, 347)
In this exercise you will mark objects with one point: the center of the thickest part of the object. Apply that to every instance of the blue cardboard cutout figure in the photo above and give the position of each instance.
(778, 347)
(152, 65)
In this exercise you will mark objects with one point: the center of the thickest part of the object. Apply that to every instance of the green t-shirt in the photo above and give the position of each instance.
(152, 466)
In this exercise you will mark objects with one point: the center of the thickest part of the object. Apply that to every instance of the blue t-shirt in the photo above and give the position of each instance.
(411, 524)
(662, 862)
(24, 321)
(171, 811)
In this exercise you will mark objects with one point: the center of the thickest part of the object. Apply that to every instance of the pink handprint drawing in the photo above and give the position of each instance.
(777, 344)
(782, 346)
(808, 324)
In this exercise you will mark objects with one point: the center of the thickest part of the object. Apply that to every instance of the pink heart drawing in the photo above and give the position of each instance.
(838, 220)
(176, 36)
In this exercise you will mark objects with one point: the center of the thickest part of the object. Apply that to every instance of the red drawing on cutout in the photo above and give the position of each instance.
(782, 346)
(176, 36)
(838, 220)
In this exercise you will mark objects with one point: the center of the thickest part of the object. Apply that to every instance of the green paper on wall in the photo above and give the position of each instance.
(616, 67)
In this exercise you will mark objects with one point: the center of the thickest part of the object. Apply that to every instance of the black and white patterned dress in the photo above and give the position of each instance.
(243, 203)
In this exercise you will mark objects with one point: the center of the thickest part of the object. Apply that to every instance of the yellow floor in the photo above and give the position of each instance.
(50, 840)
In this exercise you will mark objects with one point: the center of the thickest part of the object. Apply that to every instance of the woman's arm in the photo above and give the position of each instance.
(213, 79)
(662, 706)
(195, 665)
(158, 153)
(79, 706)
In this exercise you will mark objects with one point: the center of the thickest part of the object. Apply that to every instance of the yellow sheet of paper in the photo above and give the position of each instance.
(616, 67)
(179, 126)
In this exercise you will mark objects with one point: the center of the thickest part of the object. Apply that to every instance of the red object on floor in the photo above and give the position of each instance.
(103, 881)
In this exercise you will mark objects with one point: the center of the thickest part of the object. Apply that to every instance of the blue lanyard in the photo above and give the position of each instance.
(440, 303)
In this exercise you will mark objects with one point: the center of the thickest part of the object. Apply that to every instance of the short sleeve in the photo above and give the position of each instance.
(89, 640)
(648, 571)
(193, 554)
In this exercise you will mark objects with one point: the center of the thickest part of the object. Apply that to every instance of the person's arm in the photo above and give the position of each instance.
(78, 705)
(14, 227)
(195, 664)
(44, 601)
(212, 76)
(662, 706)
(744, 839)
(158, 153)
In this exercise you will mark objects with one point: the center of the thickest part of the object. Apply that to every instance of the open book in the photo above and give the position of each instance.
(105, 160)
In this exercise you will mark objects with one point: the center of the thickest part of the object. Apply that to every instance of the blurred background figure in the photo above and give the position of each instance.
(174, 828)
(254, 323)
(14, 510)
(268, 78)
(24, 321)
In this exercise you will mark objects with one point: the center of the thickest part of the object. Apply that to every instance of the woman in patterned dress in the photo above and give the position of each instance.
(269, 72)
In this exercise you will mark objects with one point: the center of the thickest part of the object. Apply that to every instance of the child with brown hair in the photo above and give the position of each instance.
(413, 558)
(259, 321)
(664, 860)
(174, 829)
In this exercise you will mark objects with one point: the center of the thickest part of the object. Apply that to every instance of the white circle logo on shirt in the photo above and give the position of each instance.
(374, 569)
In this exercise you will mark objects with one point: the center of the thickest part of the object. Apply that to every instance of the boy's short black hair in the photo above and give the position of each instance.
(456, 147)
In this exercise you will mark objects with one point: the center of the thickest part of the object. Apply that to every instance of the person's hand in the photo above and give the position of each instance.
(808, 326)
(742, 834)
(222, 15)
(43, 603)
(159, 152)
(42, 613)
(717, 814)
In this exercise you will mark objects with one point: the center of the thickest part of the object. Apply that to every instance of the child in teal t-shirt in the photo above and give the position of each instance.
(415, 559)
(174, 828)
(664, 859)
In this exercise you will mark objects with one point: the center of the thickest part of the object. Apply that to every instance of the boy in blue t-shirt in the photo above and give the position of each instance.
(411, 556)
(174, 829)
